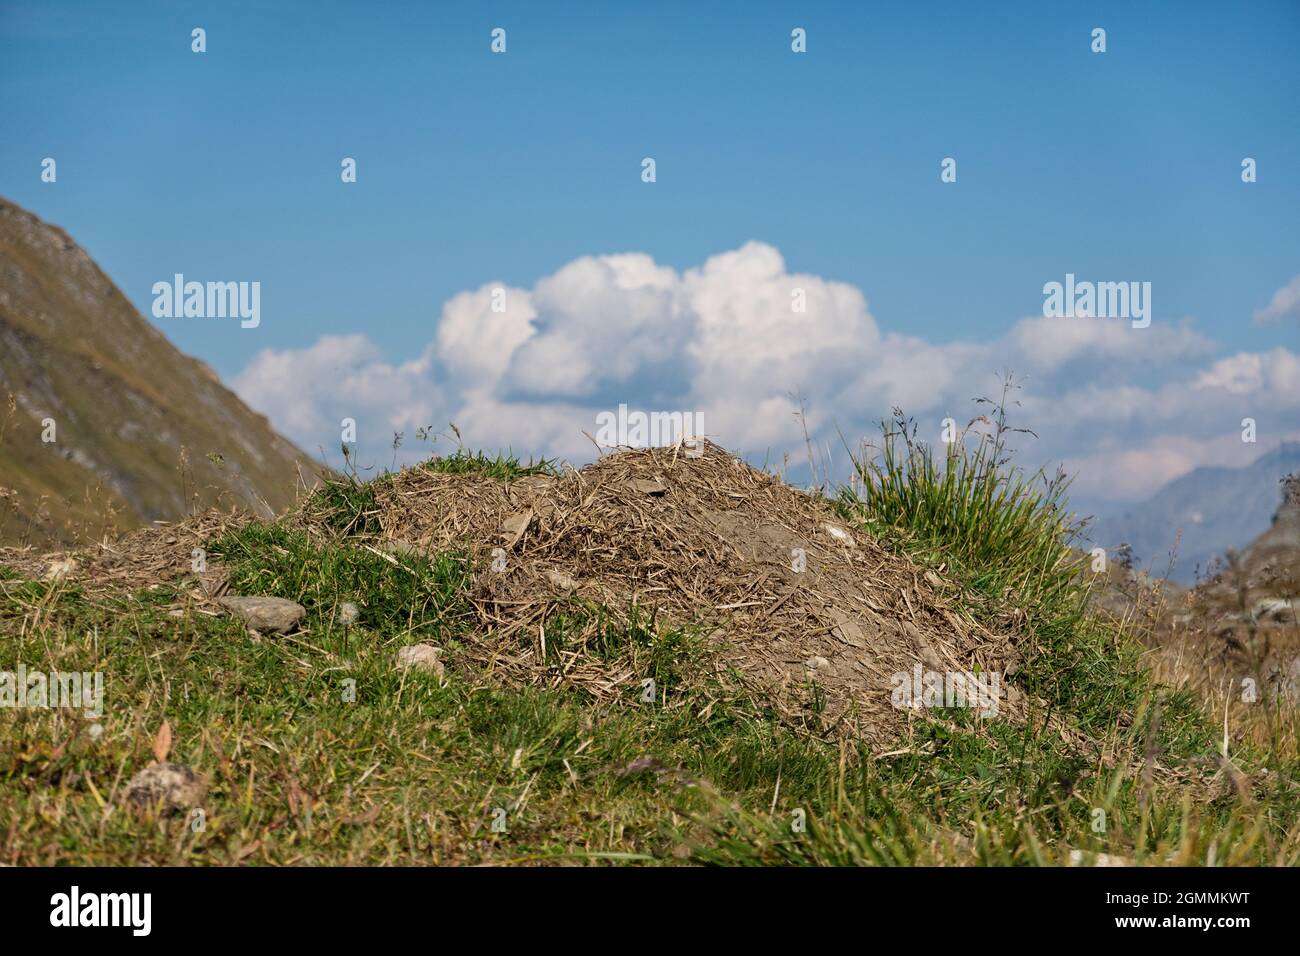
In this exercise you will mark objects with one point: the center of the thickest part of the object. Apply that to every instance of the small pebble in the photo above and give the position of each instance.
(423, 657)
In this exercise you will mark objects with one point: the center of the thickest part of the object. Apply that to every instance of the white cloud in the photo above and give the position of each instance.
(308, 392)
(1285, 302)
(1049, 343)
(475, 343)
(723, 339)
(1272, 377)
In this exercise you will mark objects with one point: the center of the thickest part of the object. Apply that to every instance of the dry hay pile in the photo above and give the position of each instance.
(702, 541)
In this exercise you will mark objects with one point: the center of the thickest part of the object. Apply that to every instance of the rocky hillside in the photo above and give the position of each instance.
(142, 432)
(1201, 515)
(1241, 623)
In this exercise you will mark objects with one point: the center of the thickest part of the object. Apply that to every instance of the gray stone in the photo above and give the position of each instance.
(266, 614)
(424, 657)
(562, 581)
(400, 548)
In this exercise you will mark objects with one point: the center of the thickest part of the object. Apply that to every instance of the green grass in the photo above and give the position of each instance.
(664, 655)
(432, 760)
(1004, 538)
(412, 594)
(321, 751)
(345, 506)
(501, 467)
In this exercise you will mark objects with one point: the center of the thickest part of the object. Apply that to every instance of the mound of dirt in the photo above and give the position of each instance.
(814, 617)
(790, 597)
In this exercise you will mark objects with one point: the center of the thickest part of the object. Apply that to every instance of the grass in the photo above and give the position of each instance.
(320, 751)
(409, 595)
(410, 769)
(502, 467)
(1004, 537)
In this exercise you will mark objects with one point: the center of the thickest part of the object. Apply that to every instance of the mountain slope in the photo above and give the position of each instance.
(1214, 508)
(124, 401)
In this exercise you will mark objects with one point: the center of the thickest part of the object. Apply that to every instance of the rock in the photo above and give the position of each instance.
(167, 787)
(399, 547)
(273, 614)
(424, 657)
(562, 581)
(817, 663)
(349, 613)
(847, 630)
(515, 527)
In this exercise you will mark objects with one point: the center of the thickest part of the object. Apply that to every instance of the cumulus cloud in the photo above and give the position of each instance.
(1050, 343)
(1272, 376)
(749, 345)
(308, 392)
(1285, 303)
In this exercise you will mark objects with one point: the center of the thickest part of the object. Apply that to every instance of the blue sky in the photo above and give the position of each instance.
(476, 169)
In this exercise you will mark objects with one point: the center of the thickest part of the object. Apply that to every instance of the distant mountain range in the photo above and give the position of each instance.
(1201, 515)
(123, 403)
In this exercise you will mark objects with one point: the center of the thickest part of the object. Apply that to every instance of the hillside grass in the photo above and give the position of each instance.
(319, 751)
